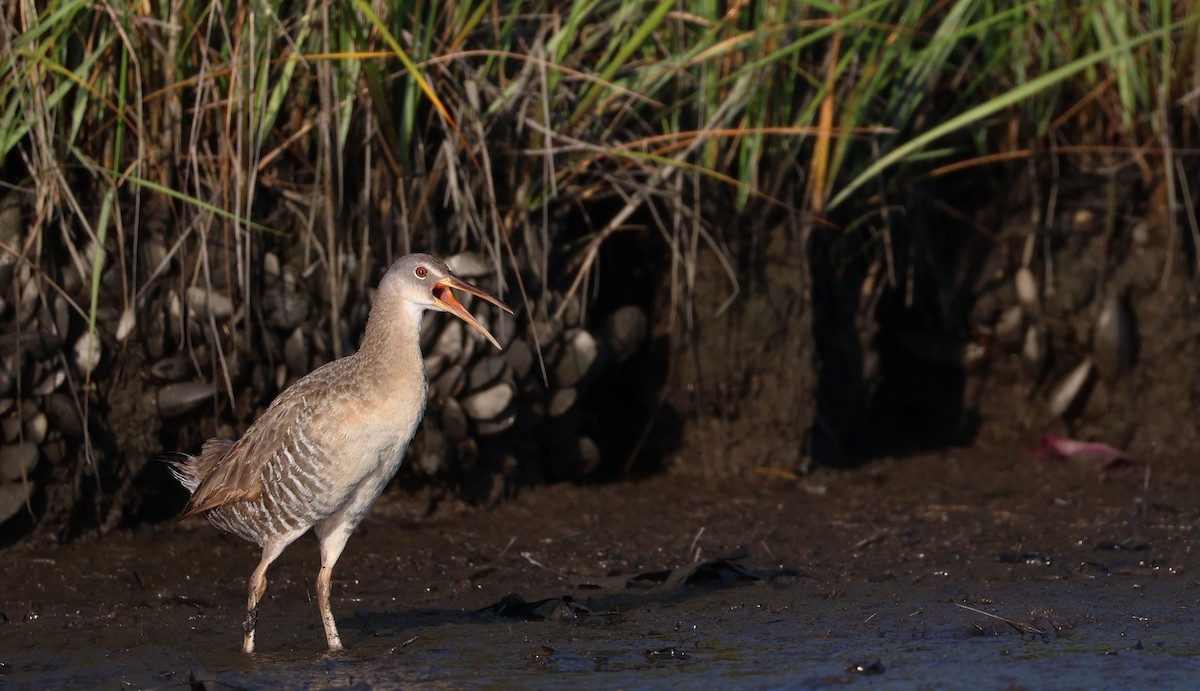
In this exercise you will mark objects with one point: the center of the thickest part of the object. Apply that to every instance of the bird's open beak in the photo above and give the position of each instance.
(444, 299)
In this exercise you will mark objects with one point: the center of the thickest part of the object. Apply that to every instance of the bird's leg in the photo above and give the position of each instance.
(323, 586)
(333, 541)
(258, 586)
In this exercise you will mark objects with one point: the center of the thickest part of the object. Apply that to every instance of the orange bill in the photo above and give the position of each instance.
(444, 299)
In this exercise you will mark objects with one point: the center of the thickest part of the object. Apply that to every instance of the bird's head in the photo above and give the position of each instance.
(425, 281)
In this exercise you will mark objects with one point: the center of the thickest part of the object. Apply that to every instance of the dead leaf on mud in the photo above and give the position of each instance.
(1056, 447)
(724, 570)
(1019, 626)
(514, 606)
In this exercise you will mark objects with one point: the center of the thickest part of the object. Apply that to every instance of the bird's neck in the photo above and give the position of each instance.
(391, 345)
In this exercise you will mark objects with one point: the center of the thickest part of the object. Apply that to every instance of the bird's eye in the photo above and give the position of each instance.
(421, 272)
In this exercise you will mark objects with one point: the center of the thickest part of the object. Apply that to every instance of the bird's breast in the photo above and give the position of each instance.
(375, 437)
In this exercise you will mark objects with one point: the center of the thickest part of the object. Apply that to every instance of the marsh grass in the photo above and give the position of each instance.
(360, 130)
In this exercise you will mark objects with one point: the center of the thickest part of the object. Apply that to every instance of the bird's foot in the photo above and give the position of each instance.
(332, 637)
(248, 626)
(251, 621)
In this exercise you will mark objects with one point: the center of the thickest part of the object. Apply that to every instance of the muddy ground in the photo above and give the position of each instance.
(984, 567)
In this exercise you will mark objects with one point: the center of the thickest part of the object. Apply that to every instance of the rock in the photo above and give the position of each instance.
(177, 399)
(63, 415)
(501, 423)
(172, 368)
(433, 366)
(1027, 292)
(271, 265)
(38, 345)
(504, 329)
(88, 351)
(204, 303)
(546, 332)
(570, 310)
(285, 304)
(11, 425)
(126, 324)
(561, 401)
(174, 310)
(1084, 221)
(625, 331)
(1008, 329)
(1069, 391)
(1141, 234)
(296, 353)
(449, 343)
(447, 384)
(17, 461)
(489, 403)
(470, 265)
(519, 357)
(486, 371)
(575, 458)
(1114, 340)
(454, 421)
(432, 450)
(13, 497)
(54, 451)
(578, 359)
(29, 297)
(36, 427)
(1033, 350)
(588, 455)
(62, 315)
(153, 251)
(50, 383)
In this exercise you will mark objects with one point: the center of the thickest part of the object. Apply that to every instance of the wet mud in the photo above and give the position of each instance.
(983, 567)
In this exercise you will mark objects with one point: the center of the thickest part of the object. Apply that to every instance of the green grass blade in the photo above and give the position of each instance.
(995, 105)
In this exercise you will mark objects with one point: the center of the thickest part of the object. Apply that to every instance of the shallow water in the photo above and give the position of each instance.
(1112, 635)
(876, 576)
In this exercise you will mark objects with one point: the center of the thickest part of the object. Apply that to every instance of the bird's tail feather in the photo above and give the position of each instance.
(190, 471)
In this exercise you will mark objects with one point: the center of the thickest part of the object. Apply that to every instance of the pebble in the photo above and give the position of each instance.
(88, 351)
(489, 403)
(18, 460)
(561, 401)
(1067, 392)
(454, 421)
(625, 331)
(13, 498)
(204, 303)
(177, 399)
(1114, 340)
(577, 359)
(1027, 292)
(172, 368)
(486, 371)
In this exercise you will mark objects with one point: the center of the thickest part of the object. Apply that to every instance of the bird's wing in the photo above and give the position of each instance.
(237, 473)
(235, 477)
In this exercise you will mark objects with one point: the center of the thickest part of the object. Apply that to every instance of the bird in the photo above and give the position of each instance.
(322, 452)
